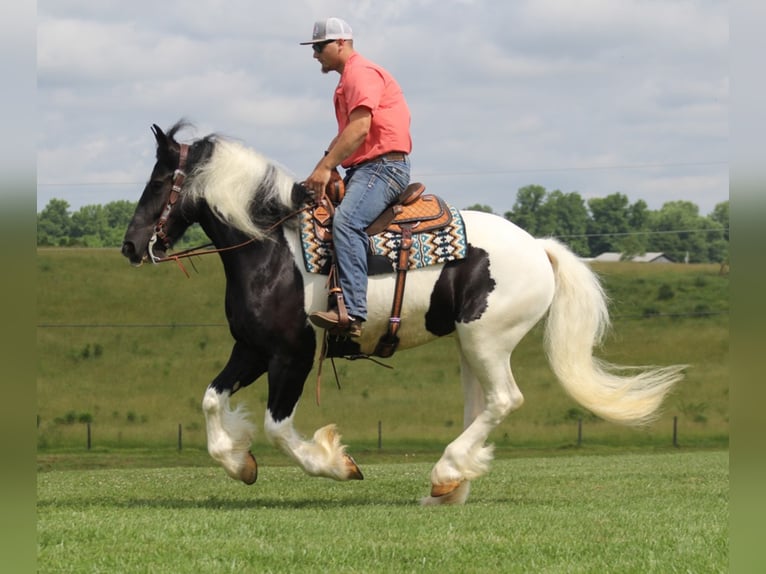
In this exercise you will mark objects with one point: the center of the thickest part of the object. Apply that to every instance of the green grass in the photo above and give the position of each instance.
(132, 350)
(627, 513)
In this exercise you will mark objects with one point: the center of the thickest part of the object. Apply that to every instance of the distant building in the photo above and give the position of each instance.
(649, 257)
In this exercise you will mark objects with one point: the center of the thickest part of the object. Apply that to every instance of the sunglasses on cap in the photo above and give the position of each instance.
(319, 46)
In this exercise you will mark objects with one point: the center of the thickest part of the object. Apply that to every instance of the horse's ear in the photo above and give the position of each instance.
(159, 135)
(164, 145)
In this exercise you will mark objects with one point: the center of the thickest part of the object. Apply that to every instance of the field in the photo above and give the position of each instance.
(125, 355)
(621, 513)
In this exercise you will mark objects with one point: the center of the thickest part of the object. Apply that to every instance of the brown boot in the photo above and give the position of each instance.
(330, 320)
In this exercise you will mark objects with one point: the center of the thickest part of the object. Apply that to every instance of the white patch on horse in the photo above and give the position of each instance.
(323, 455)
(236, 177)
(229, 432)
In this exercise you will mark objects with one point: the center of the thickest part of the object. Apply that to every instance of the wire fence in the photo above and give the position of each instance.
(577, 435)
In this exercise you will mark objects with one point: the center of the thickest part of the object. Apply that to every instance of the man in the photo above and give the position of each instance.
(372, 144)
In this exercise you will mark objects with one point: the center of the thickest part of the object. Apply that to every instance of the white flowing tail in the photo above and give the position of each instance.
(577, 321)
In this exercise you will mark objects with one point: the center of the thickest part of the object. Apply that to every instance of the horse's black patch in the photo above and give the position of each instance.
(460, 294)
(264, 307)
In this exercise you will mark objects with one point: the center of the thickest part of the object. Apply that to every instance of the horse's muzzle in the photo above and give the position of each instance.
(129, 251)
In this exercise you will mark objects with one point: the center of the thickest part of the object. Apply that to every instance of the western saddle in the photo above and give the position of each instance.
(412, 212)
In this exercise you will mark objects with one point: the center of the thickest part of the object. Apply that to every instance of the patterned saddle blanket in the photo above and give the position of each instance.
(438, 235)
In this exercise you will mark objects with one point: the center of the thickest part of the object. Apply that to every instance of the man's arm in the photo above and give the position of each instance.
(342, 146)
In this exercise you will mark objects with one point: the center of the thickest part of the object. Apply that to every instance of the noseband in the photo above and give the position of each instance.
(179, 175)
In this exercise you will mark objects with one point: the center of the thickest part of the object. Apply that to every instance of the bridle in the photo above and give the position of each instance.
(179, 176)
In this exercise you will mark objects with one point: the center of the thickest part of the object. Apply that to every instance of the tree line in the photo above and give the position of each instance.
(592, 227)
(613, 224)
(94, 225)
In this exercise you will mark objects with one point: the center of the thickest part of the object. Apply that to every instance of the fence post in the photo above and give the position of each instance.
(180, 440)
(88, 426)
(380, 435)
(675, 431)
(579, 431)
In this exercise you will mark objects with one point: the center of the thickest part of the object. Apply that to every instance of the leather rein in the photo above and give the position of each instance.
(179, 177)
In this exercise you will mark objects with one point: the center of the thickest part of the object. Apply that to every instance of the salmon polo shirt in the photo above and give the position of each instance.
(364, 83)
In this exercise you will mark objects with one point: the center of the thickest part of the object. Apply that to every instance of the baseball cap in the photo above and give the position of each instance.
(330, 29)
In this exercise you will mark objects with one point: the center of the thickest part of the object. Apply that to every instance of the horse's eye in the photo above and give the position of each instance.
(156, 185)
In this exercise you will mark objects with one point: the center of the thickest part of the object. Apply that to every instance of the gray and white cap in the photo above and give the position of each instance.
(330, 29)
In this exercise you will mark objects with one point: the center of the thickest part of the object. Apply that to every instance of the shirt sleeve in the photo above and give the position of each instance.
(364, 88)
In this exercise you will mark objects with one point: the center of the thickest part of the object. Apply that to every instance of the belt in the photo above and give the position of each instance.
(390, 156)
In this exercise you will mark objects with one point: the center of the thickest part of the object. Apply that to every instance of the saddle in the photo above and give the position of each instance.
(412, 209)
(412, 212)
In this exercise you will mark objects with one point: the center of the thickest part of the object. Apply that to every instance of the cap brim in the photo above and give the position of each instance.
(322, 41)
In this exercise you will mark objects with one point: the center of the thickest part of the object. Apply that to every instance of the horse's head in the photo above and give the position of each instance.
(160, 218)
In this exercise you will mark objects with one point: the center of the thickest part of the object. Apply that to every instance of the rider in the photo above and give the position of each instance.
(372, 145)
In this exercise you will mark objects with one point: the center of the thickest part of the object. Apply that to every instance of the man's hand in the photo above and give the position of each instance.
(318, 179)
(317, 182)
(341, 147)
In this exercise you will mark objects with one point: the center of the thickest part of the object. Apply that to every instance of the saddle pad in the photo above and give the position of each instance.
(429, 248)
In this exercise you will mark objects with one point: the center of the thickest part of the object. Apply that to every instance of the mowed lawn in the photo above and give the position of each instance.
(650, 512)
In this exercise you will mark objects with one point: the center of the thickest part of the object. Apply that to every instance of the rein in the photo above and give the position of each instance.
(202, 249)
(179, 176)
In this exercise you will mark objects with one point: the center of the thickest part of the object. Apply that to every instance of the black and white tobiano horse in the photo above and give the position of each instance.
(489, 300)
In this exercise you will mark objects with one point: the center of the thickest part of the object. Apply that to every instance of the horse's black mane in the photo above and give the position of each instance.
(181, 124)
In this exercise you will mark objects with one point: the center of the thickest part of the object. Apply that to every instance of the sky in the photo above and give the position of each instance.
(595, 97)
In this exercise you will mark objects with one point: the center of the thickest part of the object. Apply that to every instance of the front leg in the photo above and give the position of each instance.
(229, 431)
(323, 455)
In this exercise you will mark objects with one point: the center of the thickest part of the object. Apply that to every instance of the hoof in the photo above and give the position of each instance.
(249, 474)
(353, 470)
(456, 496)
(444, 489)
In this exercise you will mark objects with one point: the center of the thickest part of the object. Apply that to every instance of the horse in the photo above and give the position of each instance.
(488, 301)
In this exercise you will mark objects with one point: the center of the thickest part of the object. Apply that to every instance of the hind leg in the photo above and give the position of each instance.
(490, 393)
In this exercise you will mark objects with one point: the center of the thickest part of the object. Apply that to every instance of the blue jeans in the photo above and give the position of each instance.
(370, 188)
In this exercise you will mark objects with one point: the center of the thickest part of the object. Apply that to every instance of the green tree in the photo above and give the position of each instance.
(89, 224)
(679, 233)
(54, 223)
(721, 216)
(638, 222)
(609, 223)
(118, 216)
(719, 243)
(567, 218)
(528, 211)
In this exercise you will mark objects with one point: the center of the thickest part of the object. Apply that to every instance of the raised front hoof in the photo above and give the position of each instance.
(455, 492)
(249, 473)
(352, 470)
(438, 490)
